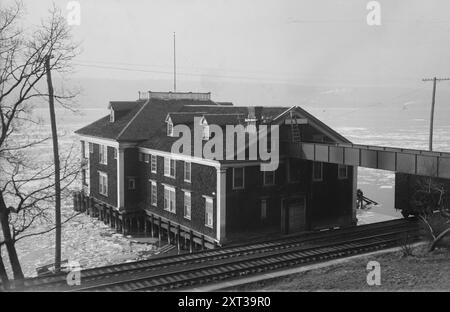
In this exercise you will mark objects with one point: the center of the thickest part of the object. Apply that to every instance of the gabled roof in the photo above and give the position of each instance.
(103, 128)
(314, 122)
(183, 117)
(224, 119)
(139, 119)
(120, 106)
(144, 122)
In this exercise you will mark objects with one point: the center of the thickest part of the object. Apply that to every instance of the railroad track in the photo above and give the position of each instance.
(161, 262)
(120, 276)
(190, 276)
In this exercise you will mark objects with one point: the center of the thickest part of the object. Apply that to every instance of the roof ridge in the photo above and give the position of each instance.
(229, 114)
(132, 119)
(185, 113)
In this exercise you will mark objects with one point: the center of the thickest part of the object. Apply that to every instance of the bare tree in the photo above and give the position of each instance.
(430, 204)
(27, 190)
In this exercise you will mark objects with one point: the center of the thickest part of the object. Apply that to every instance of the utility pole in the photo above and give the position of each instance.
(432, 107)
(51, 105)
(174, 66)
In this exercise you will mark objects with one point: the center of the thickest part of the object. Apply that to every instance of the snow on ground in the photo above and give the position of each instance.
(84, 239)
(370, 216)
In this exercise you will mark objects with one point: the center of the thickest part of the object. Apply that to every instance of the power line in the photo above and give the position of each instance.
(293, 80)
(186, 74)
(432, 107)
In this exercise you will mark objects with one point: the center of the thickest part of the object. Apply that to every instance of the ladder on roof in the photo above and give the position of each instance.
(295, 129)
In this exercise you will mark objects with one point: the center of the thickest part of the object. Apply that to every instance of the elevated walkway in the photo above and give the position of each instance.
(417, 162)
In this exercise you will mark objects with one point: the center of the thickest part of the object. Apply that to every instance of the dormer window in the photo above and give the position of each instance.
(205, 129)
(169, 128)
(169, 123)
(206, 133)
(111, 116)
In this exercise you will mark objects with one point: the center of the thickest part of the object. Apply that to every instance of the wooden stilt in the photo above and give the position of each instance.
(191, 242)
(75, 202)
(178, 237)
(145, 226)
(83, 201)
(159, 228)
(80, 201)
(92, 206)
(111, 214)
(168, 232)
(152, 225)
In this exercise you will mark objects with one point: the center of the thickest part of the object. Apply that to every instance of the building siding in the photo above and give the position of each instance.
(330, 200)
(203, 183)
(110, 169)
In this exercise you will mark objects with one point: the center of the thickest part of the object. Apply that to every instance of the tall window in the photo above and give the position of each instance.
(153, 193)
(187, 171)
(209, 211)
(317, 171)
(153, 163)
(103, 183)
(238, 178)
(103, 154)
(187, 205)
(146, 158)
(263, 209)
(269, 177)
(91, 147)
(169, 199)
(169, 167)
(342, 171)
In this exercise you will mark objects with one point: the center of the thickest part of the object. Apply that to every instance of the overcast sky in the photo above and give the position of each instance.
(302, 42)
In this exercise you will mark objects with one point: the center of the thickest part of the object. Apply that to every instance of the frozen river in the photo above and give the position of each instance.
(92, 243)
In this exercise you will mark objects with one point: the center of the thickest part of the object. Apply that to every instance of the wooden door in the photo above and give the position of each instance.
(296, 216)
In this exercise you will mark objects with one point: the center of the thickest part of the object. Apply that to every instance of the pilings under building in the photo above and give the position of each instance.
(141, 223)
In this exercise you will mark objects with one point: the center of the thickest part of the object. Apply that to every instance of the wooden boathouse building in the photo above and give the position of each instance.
(132, 181)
